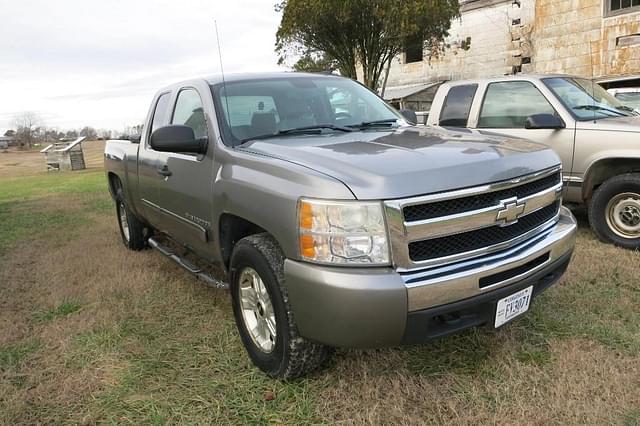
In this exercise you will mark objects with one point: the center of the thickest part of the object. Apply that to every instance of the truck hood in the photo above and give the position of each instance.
(614, 124)
(409, 161)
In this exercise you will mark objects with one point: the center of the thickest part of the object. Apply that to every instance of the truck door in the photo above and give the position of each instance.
(148, 177)
(182, 202)
(505, 108)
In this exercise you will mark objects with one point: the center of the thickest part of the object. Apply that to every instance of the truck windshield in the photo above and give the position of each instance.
(630, 99)
(586, 100)
(263, 108)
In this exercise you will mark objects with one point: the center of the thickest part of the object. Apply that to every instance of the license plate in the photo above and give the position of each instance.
(512, 306)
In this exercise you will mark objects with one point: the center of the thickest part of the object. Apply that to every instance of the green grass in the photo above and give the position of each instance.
(172, 371)
(24, 220)
(13, 355)
(632, 418)
(64, 309)
(30, 206)
(603, 312)
(153, 347)
(28, 187)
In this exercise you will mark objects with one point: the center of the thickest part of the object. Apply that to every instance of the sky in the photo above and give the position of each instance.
(98, 62)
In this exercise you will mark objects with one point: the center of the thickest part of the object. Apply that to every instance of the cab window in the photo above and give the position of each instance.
(190, 112)
(160, 112)
(457, 104)
(507, 105)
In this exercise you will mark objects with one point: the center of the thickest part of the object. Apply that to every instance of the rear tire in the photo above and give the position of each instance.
(263, 314)
(614, 211)
(133, 232)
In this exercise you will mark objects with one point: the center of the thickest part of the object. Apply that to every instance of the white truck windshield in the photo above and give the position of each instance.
(586, 100)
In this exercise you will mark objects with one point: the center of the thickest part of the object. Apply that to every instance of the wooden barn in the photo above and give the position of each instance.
(65, 155)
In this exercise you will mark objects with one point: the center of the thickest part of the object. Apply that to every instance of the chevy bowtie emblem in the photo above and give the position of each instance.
(511, 210)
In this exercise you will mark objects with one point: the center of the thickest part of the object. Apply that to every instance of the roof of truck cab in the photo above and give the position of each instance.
(217, 78)
(518, 77)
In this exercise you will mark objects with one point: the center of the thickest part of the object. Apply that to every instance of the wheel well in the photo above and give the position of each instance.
(603, 170)
(233, 229)
(114, 183)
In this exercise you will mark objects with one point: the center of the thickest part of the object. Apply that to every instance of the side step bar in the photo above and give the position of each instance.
(190, 267)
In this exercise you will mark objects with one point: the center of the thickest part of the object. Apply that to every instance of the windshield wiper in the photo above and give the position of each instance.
(598, 108)
(629, 109)
(316, 128)
(386, 122)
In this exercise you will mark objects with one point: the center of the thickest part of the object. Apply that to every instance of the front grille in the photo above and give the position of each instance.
(480, 238)
(476, 202)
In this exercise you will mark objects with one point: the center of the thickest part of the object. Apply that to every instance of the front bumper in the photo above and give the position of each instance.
(377, 307)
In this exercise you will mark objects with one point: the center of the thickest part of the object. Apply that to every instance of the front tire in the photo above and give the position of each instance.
(263, 314)
(614, 211)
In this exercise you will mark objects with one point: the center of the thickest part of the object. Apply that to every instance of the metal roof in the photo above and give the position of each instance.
(64, 146)
(401, 92)
(619, 78)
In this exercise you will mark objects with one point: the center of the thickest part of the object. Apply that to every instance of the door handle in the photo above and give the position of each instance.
(164, 171)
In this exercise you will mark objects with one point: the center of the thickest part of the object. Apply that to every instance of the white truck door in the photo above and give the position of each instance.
(505, 108)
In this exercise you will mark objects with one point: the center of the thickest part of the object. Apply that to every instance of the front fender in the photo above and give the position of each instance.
(607, 164)
(265, 192)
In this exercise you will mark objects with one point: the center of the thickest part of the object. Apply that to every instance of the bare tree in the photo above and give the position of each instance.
(26, 124)
(104, 134)
(89, 132)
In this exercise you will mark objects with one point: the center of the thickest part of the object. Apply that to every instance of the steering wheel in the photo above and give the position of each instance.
(340, 115)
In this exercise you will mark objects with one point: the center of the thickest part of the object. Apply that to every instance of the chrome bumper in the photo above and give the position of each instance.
(378, 307)
(441, 285)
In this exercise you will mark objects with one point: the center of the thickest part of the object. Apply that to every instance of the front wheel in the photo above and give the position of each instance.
(614, 212)
(262, 312)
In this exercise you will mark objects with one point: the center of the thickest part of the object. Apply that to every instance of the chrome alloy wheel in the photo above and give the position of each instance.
(257, 310)
(124, 223)
(623, 215)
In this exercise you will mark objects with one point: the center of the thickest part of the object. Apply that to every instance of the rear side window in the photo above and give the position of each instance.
(190, 112)
(457, 104)
(507, 105)
(160, 112)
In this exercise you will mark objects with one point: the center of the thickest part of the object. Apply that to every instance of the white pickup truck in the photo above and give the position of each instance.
(596, 137)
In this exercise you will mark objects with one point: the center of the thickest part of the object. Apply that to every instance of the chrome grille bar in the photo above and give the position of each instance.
(403, 232)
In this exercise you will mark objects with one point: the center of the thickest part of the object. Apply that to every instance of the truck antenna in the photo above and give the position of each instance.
(224, 83)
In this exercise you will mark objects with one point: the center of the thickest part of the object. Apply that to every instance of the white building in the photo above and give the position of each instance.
(599, 38)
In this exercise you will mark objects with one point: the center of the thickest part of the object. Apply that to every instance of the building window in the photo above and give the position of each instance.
(616, 7)
(413, 50)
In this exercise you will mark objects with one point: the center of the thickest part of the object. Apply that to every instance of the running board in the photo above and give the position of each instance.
(190, 267)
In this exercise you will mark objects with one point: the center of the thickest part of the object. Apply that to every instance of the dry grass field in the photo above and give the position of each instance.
(92, 333)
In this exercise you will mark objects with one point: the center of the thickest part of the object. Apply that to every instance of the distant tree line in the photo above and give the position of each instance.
(29, 129)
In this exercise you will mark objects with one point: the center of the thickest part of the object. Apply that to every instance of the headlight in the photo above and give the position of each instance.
(343, 232)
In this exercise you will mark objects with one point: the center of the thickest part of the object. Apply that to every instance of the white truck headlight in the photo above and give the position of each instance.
(349, 232)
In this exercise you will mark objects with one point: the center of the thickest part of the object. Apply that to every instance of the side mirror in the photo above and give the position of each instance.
(177, 138)
(544, 121)
(409, 115)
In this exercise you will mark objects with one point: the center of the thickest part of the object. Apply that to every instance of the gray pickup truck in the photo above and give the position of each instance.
(338, 223)
(596, 137)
